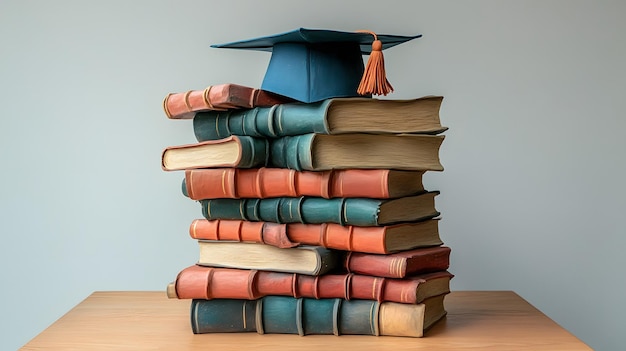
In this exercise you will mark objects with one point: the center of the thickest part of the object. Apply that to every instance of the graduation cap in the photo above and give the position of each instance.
(310, 65)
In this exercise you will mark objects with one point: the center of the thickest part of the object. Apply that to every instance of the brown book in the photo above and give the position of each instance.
(375, 239)
(310, 260)
(197, 282)
(265, 182)
(218, 98)
(400, 264)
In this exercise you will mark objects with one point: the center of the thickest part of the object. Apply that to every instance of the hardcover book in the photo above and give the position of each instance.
(197, 282)
(229, 152)
(265, 182)
(311, 152)
(331, 116)
(399, 265)
(218, 98)
(356, 211)
(306, 316)
(311, 260)
(374, 239)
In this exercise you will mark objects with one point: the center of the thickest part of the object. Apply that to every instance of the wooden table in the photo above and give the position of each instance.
(477, 320)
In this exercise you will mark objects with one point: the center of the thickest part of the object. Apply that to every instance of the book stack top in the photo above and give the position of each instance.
(315, 219)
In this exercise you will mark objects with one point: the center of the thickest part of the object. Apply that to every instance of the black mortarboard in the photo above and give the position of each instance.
(310, 65)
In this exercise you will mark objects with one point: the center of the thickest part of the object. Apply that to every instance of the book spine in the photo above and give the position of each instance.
(243, 231)
(254, 152)
(340, 237)
(286, 315)
(223, 316)
(372, 183)
(344, 211)
(426, 260)
(303, 316)
(293, 152)
(265, 182)
(185, 105)
(220, 97)
(198, 282)
(269, 122)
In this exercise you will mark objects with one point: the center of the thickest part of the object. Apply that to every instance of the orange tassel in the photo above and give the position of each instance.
(374, 80)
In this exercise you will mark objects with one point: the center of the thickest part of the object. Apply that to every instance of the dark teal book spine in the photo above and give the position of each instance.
(312, 210)
(255, 152)
(223, 316)
(269, 122)
(293, 152)
(286, 315)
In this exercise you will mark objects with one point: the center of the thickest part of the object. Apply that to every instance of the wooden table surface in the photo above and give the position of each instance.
(134, 320)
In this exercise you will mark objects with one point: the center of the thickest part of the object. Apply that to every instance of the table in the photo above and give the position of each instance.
(148, 320)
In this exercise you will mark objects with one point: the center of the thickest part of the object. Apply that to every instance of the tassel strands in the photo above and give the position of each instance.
(374, 79)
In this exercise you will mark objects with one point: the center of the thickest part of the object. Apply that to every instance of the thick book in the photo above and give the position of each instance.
(373, 239)
(311, 260)
(229, 152)
(357, 211)
(330, 116)
(266, 182)
(399, 265)
(307, 316)
(311, 152)
(220, 97)
(197, 282)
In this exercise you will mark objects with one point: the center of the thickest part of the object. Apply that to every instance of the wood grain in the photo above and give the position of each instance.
(477, 320)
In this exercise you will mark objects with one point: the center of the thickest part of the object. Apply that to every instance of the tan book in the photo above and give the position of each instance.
(311, 260)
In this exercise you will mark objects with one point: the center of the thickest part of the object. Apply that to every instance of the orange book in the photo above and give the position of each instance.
(198, 282)
(375, 239)
(265, 182)
(218, 98)
(400, 264)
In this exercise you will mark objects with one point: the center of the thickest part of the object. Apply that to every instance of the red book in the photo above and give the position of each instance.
(264, 182)
(217, 98)
(375, 239)
(400, 264)
(197, 282)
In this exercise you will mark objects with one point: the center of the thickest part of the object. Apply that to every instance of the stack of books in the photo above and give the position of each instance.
(315, 216)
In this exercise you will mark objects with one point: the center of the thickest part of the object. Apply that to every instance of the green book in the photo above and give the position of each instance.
(309, 316)
(315, 210)
(330, 116)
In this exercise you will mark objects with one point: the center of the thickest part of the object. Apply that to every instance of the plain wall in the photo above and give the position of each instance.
(532, 196)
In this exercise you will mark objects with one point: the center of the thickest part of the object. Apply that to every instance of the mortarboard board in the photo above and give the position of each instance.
(310, 65)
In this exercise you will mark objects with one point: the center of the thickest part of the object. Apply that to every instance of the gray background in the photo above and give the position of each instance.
(532, 197)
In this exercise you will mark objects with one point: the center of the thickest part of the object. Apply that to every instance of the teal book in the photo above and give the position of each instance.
(320, 152)
(316, 210)
(309, 316)
(311, 152)
(330, 116)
